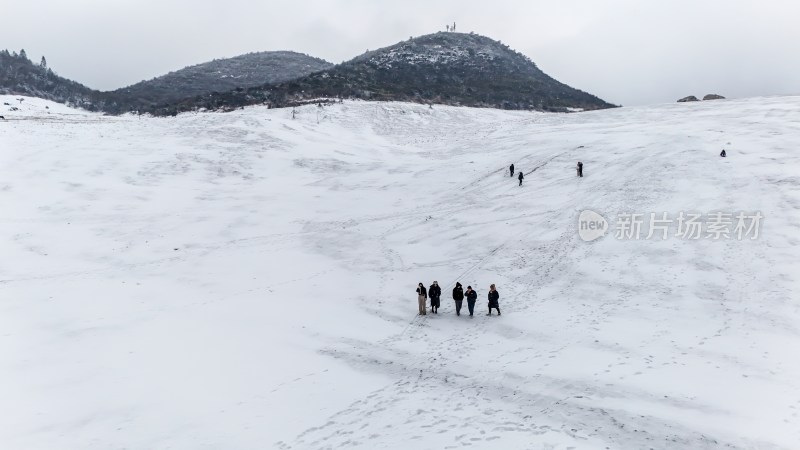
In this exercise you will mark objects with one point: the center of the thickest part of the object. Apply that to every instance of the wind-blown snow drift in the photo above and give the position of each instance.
(246, 280)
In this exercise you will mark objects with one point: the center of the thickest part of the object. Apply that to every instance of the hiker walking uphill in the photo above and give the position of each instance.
(512, 170)
(434, 292)
(472, 296)
(580, 169)
(494, 300)
(422, 294)
(521, 177)
(458, 297)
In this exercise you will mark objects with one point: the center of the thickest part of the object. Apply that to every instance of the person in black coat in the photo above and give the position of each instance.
(422, 294)
(472, 296)
(723, 154)
(512, 170)
(494, 300)
(580, 169)
(458, 296)
(435, 292)
(520, 177)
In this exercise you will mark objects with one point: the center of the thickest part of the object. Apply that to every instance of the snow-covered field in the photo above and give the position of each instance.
(245, 280)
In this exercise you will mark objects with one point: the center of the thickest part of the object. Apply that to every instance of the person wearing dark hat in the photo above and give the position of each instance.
(494, 300)
(472, 296)
(580, 169)
(458, 297)
(520, 177)
(512, 170)
(422, 294)
(435, 292)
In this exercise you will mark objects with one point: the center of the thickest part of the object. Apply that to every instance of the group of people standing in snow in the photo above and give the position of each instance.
(434, 292)
(578, 168)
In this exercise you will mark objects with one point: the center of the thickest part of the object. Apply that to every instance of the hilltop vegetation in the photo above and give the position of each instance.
(21, 76)
(222, 75)
(443, 68)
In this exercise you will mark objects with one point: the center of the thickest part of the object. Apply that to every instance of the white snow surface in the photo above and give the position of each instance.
(245, 280)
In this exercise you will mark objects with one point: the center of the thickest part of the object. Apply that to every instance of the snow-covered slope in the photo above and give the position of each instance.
(246, 280)
(20, 106)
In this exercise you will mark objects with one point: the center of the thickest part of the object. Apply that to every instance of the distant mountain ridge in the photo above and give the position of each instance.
(221, 75)
(20, 76)
(442, 68)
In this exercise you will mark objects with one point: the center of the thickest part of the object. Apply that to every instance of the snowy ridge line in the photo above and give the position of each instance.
(57, 121)
(545, 163)
(475, 185)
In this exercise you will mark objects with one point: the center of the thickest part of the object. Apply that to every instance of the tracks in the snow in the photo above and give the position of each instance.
(438, 374)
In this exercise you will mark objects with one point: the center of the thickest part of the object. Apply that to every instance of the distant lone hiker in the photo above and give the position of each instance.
(521, 177)
(434, 292)
(421, 296)
(580, 169)
(458, 296)
(512, 170)
(494, 300)
(723, 154)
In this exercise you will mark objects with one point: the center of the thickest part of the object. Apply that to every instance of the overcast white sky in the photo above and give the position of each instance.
(627, 52)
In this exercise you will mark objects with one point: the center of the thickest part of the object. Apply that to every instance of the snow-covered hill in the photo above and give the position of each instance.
(220, 75)
(246, 280)
(454, 69)
(15, 107)
(449, 48)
